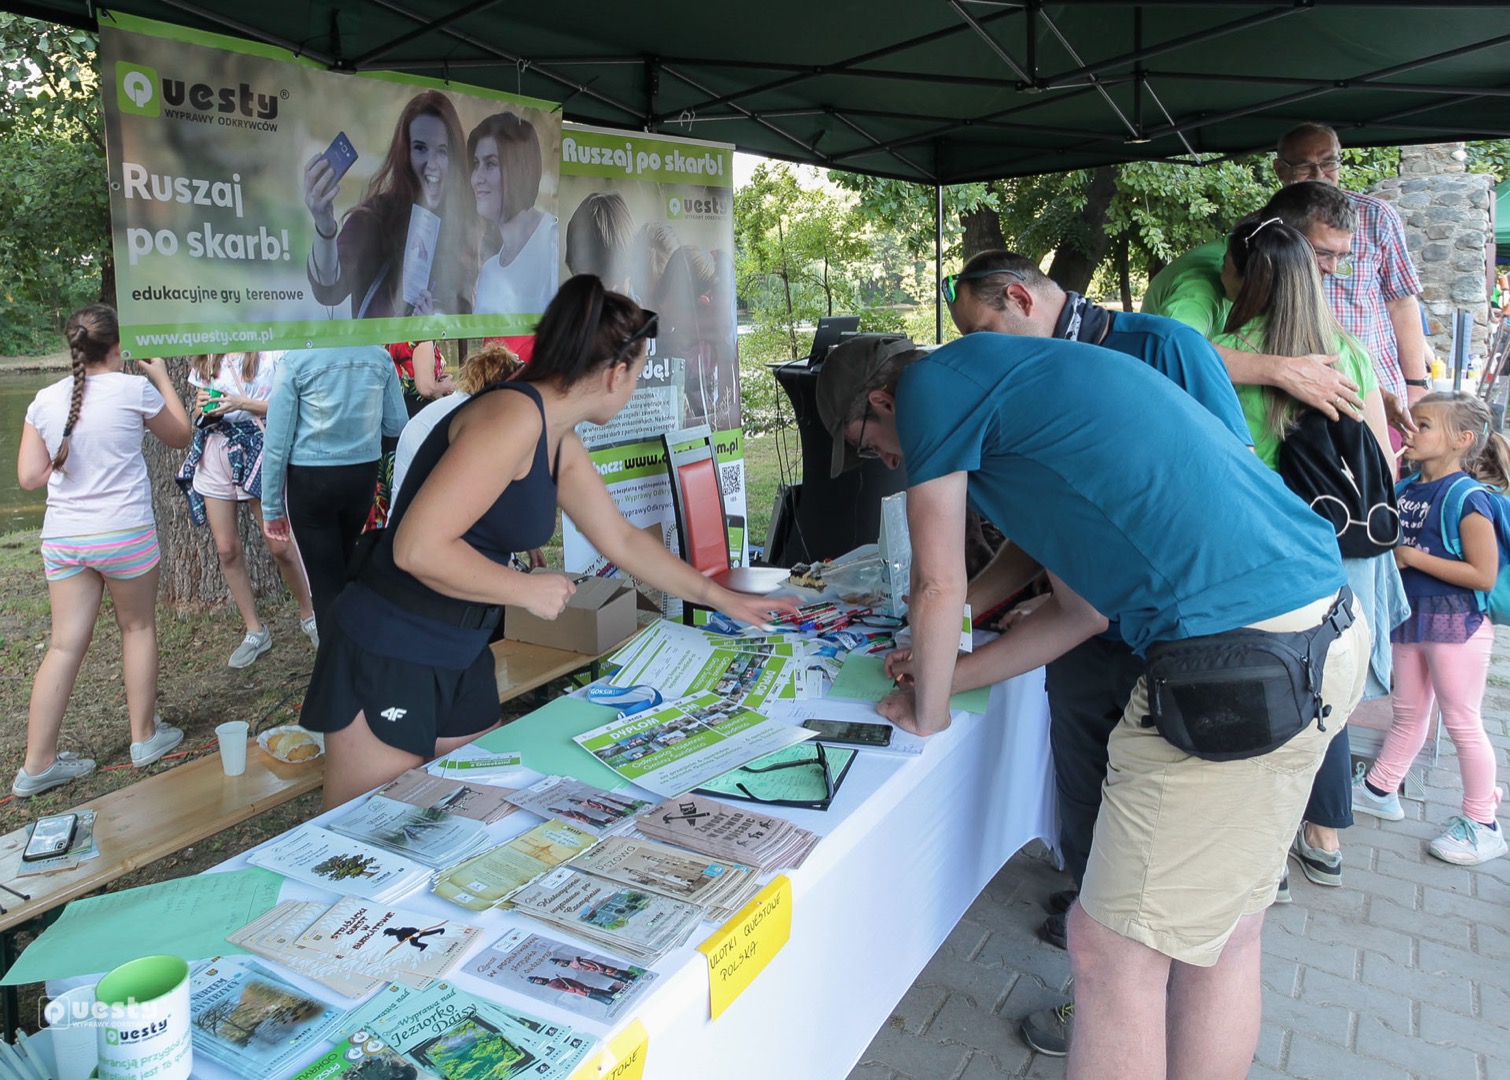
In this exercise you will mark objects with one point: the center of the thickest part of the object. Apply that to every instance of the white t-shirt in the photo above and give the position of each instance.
(104, 485)
(228, 381)
(415, 432)
(526, 285)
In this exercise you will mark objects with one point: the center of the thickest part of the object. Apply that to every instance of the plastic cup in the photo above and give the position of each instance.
(146, 1033)
(71, 1028)
(232, 737)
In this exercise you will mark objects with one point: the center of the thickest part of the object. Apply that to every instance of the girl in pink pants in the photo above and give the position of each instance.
(1441, 653)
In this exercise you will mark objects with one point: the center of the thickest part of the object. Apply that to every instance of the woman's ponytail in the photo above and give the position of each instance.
(91, 332)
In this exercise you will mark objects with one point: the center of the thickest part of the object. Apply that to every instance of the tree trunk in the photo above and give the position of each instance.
(786, 281)
(982, 233)
(190, 569)
(1077, 257)
(1124, 274)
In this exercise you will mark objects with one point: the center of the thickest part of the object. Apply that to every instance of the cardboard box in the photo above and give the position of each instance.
(599, 615)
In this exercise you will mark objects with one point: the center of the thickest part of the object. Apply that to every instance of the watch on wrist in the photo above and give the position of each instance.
(1423, 383)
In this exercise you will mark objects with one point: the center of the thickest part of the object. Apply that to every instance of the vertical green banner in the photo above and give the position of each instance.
(259, 200)
(654, 217)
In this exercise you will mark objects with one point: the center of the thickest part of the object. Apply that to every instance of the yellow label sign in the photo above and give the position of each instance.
(746, 943)
(624, 1059)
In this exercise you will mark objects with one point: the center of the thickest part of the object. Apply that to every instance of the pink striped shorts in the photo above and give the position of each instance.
(126, 553)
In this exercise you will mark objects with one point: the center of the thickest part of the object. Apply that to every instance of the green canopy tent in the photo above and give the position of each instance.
(937, 91)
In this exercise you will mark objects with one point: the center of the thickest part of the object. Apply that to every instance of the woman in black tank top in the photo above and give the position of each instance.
(482, 486)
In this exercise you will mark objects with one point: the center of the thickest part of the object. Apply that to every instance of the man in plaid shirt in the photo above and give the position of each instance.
(1376, 302)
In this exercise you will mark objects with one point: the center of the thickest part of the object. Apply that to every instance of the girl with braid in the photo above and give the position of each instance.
(83, 439)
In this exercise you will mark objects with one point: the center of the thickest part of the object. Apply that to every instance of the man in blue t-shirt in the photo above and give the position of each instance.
(1158, 517)
(1088, 687)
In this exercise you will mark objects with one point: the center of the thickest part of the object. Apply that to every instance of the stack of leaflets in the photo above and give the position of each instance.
(715, 828)
(361, 1057)
(483, 881)
(449, 1033)
(272, 937)
(422, 833)
(320, 857)
(570, 976)
(721, 887)
(252, 1022)
(81, 849)
(473, 799)
(386, 943)
(636, 923)
(561, 797)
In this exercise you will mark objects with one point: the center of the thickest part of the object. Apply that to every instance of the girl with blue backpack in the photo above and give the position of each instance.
(1451, 512)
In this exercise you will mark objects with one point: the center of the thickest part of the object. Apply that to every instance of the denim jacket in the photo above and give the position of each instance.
(329, 407)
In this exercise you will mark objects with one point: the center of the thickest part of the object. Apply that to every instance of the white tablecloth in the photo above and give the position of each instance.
(908, 844)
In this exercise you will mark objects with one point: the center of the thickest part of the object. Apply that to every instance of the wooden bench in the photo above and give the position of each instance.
(521, 667)
(139, 824)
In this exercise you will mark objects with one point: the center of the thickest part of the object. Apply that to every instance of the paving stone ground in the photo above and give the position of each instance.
(1401, 974)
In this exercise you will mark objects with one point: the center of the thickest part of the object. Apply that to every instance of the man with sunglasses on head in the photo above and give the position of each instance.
(1144, 508)
(1006, 293)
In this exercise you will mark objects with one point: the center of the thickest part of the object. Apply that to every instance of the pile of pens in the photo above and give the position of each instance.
(830, 617)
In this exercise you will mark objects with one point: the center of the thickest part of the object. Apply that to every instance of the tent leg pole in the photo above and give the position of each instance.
(938, 264)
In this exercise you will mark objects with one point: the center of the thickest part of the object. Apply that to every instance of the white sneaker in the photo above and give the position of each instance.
(1380, 806)
(311, 631)
(1467, 843)
(163, 740)
(68, 766)
(252, 646)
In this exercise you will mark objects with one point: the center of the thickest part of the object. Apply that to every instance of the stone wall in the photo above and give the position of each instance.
(1446, 214)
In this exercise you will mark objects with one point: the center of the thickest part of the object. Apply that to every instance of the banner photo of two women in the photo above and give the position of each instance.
(261, 202)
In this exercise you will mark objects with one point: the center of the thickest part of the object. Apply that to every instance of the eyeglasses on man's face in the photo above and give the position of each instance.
(1309, 170)
(949, 286)
(1336, 263)
(869, 453)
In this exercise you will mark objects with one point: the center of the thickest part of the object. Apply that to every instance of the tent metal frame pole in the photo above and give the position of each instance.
(420, 31)
(938, 264)
(253, 33)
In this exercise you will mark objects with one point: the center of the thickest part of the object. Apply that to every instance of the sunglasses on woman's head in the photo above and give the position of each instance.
(646, 331)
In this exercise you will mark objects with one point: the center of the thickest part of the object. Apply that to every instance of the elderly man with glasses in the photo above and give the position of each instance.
(1376, 303)
(1143, 508)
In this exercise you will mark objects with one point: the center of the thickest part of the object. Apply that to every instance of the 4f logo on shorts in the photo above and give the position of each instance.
(393, 715)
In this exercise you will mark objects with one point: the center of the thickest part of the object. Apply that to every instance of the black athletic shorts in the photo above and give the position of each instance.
(408, 706)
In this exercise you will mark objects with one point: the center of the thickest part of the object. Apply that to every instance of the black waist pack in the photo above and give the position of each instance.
(1242, 693)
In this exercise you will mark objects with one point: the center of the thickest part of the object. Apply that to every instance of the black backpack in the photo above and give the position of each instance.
(1339, 469)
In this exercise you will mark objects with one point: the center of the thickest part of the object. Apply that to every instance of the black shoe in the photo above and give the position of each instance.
(1059, 902)
(1052, 931)
(1049, 1030)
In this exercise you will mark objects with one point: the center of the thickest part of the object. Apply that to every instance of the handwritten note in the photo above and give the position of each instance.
(624, 1058)
(863, 678)
(186, 917)
(745, 944)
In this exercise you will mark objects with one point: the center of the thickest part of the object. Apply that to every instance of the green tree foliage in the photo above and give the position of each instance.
(54, 205)
(800, 253)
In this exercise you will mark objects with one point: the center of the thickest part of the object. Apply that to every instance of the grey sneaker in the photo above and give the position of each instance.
(163, 740)
(311, 631)
(1049, 1030)
(252, 646)
(68, 766)
(1282, 896)
(1321, 867)
(1467, 843)
(1380, 806)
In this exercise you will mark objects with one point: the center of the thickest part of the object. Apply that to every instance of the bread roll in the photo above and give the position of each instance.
(293, 746)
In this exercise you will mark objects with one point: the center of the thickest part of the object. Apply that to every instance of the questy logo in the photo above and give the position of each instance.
(673, 207)
(136, 89)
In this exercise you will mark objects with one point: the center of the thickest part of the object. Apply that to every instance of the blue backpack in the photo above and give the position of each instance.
(1496, 602)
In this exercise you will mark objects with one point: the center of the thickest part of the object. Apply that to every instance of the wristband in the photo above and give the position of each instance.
(324, 236)
(1424, 384)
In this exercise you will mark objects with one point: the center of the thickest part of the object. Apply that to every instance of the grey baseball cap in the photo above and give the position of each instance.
(846, 372)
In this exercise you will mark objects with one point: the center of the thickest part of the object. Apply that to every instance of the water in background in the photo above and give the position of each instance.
(19, 509)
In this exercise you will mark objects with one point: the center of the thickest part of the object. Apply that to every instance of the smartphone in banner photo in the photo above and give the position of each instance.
(850, 732)
(50, 836)
(340, 154)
